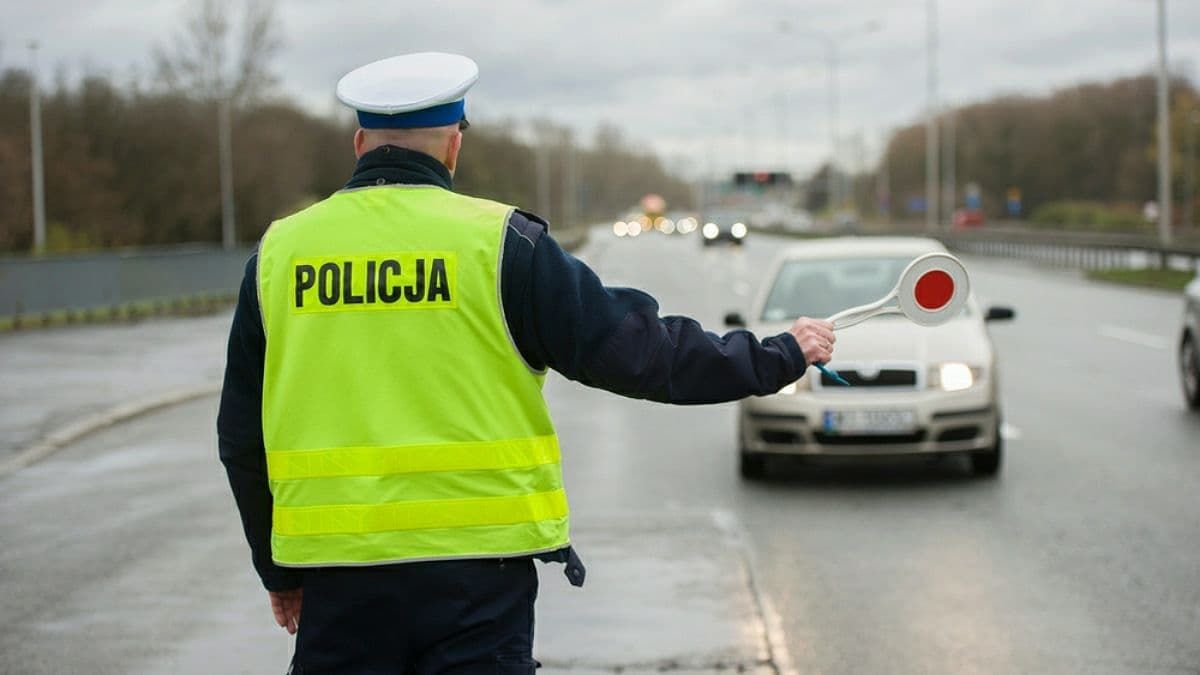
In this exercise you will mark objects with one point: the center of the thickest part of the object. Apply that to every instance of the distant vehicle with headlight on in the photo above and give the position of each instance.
(914, 390)
(723, 226)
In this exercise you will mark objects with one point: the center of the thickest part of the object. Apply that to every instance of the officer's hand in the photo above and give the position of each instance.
(815, 338)
(286, 606)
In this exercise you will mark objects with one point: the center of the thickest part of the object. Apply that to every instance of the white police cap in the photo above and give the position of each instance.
(411, 90)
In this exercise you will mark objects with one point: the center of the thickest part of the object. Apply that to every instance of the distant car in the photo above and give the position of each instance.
(964, 218)
(1189, 345)
(723, 226)
(914, 389)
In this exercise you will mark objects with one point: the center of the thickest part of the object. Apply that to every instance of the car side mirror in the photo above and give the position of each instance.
(735, 320)
(1000, 314)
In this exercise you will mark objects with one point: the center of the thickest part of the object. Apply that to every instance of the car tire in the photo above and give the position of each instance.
(752, 465)
(986, 463)
(1189, 370)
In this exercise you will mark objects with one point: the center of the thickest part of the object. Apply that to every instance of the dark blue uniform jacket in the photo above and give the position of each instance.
(560, 316)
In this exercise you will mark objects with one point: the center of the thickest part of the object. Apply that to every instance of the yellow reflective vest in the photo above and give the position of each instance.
(400, 421)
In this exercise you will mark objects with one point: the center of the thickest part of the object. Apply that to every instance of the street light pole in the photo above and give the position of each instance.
(570, 183)
(831, 52)
(35, 135)
(1164, 133)
(834, 188)
(225, 143)
(931, 126)
(950, 188)
(541, 160)
(1189, 169)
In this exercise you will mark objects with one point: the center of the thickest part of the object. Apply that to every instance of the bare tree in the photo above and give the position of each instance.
(212, 60)
(200, 67)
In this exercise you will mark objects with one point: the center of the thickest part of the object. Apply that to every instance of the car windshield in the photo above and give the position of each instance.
(823, 287)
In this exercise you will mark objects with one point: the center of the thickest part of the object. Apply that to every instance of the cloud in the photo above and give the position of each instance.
(722, 82)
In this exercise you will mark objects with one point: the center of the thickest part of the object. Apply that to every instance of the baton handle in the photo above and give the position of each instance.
(857, 315)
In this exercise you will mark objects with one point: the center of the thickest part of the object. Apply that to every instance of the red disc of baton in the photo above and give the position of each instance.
(934, 289)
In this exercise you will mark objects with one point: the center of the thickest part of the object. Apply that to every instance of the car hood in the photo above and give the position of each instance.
(894, 338)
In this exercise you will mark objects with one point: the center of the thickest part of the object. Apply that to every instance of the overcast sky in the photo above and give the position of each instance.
(710, 84)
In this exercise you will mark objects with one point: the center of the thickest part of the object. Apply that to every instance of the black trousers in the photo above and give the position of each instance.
(461, 616)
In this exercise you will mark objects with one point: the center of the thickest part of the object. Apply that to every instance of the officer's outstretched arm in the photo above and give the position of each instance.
(614, 338)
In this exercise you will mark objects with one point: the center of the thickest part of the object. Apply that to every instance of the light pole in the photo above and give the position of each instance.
(931, 126)
(570, 182)
(1189, 169)
(1164, 133)
(835, 197)
(541, 160)
(225, 143)
(950, 187)
(831, 55)
(35, 136)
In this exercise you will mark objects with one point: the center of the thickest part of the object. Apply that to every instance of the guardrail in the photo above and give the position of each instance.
(101, 286)
(1087, 250)
(118, 284)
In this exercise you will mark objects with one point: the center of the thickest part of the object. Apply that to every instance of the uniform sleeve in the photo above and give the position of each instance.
(562, 316)
(239, 433)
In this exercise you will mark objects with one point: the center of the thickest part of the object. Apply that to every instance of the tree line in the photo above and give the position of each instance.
(138, 164)
(1092, 144)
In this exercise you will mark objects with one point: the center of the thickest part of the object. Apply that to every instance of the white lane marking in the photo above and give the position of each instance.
(774, 640)
(84, 426)
(1009, 433)
(1134, 337)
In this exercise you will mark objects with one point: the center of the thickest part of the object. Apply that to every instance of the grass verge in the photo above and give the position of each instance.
(191, 305)
(1171, 280)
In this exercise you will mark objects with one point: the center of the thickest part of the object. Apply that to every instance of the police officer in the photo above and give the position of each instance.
(382, 422)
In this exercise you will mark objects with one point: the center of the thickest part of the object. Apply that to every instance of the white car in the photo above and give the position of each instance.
(913, 389)
(1189, 345)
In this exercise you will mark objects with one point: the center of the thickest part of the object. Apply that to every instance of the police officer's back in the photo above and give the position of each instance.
(382, 424)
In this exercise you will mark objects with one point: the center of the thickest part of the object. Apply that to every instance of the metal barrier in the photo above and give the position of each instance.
(1087, 250)
(63, 288)
(122, 284)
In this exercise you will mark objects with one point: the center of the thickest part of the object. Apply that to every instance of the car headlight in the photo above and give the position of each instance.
(620, 228)
(738, 230)
(954, 376)
(710, 231)
(635, 228)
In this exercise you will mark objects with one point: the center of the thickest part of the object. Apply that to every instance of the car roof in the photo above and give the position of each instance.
(845, 247)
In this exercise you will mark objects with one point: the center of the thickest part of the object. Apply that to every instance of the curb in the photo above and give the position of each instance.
(187, 305)
(774, 639)
(101, 420)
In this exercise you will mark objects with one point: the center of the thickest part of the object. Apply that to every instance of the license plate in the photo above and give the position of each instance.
(869, 421)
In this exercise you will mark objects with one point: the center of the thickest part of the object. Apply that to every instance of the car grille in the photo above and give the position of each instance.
(777, 437)
(888, 377)
(868, 439)
(958, 434)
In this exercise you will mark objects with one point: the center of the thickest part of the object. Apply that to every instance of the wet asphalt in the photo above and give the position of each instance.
(1082, 556)
(121, 551)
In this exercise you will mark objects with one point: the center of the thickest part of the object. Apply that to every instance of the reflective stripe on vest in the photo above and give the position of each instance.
(399, 419)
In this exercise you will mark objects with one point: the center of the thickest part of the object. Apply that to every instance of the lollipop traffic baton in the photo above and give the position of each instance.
(932, 290)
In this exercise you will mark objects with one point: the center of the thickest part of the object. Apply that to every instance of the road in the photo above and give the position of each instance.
(121, 552)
